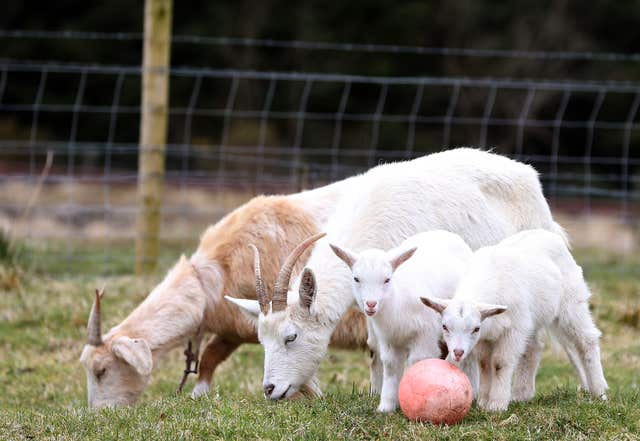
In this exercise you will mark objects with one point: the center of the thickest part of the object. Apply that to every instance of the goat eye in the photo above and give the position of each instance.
(100, 373)
(356, 280)
(290, 338)
(387, 280)
(476, 330)
(444, 328)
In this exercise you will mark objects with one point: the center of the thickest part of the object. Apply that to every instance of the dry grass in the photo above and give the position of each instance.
(191, 209)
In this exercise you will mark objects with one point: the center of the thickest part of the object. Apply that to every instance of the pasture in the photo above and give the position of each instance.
(43, 313)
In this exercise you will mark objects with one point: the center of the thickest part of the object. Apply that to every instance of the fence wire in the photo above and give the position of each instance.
(234, 133)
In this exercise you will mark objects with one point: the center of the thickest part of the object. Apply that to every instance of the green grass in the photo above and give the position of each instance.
(42, 385)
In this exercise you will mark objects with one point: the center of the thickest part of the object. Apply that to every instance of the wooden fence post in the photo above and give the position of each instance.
(153, 131)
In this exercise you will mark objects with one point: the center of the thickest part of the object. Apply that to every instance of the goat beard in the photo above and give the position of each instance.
(309, 391)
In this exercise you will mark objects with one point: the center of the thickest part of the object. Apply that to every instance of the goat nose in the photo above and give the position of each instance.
(458, 353)
(372, 304)
(268, 389)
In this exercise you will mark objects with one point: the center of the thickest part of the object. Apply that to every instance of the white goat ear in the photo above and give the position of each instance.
(135, 351)
(487, 310)
(401, 258)
(347, 256)
(250, 308)
(438, 305)
(307, 288)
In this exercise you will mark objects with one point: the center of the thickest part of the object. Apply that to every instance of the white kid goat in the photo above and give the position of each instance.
(387, 287)
(483, 197)
(526, 283)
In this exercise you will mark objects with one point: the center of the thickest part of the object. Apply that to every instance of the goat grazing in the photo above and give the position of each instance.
(511, 292)
(387, 287)
(189, 301)
(481, 196)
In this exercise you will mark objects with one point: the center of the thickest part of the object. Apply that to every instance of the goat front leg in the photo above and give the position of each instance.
(393, 366)
(483, 355)
(216, 351)
(506, 354)
(375, 363)
(470, 367)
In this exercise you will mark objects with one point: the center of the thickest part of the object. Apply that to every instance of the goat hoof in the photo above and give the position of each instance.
(200, 389)
(386, 408)
(495, 406)
(524, 395)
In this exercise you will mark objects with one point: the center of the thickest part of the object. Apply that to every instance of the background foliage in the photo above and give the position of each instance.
(600, 26)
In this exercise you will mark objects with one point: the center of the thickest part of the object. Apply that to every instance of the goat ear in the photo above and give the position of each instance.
(488, 310)
(135, 351)
(347, 256)
(307, 288)
(438, 305)
(399, 259)
(250, 308)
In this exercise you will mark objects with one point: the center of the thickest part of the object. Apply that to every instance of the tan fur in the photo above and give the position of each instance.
(190, 297)
(351, 332)
(227, 244)
(216, 351)
(274, 225)
(179, 294)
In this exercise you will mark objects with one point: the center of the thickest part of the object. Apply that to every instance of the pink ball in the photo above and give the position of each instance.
(434, 390)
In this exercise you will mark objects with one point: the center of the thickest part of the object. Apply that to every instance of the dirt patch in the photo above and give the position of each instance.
(97, 212)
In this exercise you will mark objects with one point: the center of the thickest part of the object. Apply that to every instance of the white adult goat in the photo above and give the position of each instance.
(482, 196)
(188, 302)
(387, 286)
(528, 282)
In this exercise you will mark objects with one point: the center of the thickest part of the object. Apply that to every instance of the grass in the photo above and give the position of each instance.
(42, 385)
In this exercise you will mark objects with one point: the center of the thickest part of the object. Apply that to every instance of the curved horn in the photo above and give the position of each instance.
(94, 334)
(261, 292)
(279, 301)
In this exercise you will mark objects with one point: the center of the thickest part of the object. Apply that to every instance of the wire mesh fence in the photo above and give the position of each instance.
(234, 133)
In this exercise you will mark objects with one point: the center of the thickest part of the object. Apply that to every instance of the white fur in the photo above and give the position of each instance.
(200, 389)
(406, 332)
(511, 292)
(481, 196)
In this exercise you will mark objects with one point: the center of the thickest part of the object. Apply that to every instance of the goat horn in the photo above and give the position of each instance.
(261, 292)
(94, 334)
(279, 301)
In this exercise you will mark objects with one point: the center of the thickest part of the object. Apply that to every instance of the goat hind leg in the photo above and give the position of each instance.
(523, 387)
(578, 328)
(572, 352)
